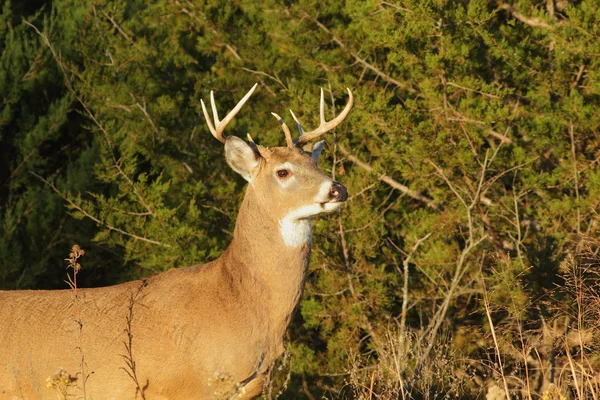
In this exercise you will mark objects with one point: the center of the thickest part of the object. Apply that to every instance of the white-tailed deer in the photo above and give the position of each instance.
(202, 332)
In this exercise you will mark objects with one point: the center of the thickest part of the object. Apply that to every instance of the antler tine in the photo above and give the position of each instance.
(286, 130)
(322, 108)
(207, 118)
(213, 106)
(298, 124)
(219, 126)
(324, 126)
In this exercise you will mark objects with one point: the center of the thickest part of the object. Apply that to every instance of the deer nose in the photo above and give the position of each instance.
(338, 192)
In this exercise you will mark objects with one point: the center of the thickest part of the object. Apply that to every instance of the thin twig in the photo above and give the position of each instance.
(118, 28)
(71, 89)
(486, 304)
(131, 369)
(233, 51)
(579, 75)
(450, 185)
(577, 201)
(575, 381)
(490, 131)
(372, 384)
(397, 7)
(517, 224)
(275, 78)
(405, 264)
(145, 112)
(346, 255)
(493, 179)
(524, 351)
(535, 22)
(390, 181)
(96, 220)
(460, 266)
(360, 60)
(472, 90)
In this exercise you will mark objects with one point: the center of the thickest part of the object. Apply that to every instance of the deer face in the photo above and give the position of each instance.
(287, 184)
(287, 180)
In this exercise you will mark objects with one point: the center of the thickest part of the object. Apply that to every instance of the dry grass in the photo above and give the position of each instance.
(549, 358)
(62, 382)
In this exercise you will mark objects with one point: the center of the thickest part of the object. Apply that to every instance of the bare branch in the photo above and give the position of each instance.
(69, 86)
(275, 78)
(493, 179)
(361, 61)
(473, 90)
(576, 183)
(535, 22)
(346, 255)
(397, 7)
(461, 263)
(578, 76)
(96, 220)
(490, 131)
(118, 28)
(405, 264)
(232, 50)
(450, 185)
(493, 330)
(390, 181)
(145, 112)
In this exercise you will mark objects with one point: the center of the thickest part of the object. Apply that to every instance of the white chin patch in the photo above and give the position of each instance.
(295, 227)
(329, 207)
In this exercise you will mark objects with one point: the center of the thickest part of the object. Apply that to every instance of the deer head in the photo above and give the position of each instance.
(284, 180)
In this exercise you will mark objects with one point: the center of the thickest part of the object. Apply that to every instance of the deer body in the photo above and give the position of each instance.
(202, 332)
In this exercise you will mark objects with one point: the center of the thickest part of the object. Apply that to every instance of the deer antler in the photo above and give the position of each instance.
(324, 126)
(219, 127)
(286, 130)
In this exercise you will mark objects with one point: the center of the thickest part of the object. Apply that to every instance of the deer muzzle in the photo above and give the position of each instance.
(338, 193)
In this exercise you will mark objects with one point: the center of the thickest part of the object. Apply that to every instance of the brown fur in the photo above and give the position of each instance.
(206, 331)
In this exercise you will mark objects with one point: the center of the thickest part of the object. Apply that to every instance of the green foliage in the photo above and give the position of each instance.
(488, 109)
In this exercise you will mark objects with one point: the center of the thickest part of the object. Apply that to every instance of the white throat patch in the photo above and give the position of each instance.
(295, 228)
(295, 233)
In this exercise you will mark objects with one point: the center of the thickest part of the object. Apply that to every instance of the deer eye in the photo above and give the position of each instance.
(283, 173)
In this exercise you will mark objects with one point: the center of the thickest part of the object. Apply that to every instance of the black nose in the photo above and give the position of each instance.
(338, 192)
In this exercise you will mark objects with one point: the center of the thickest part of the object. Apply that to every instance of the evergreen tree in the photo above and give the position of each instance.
(471, 157)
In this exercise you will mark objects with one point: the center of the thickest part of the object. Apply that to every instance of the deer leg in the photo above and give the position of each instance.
(252, 389)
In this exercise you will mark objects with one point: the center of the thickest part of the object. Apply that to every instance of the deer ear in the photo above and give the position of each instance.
(317, 149)
(242, 157)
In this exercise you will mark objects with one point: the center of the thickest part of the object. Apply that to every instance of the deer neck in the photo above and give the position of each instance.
(260, 247)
